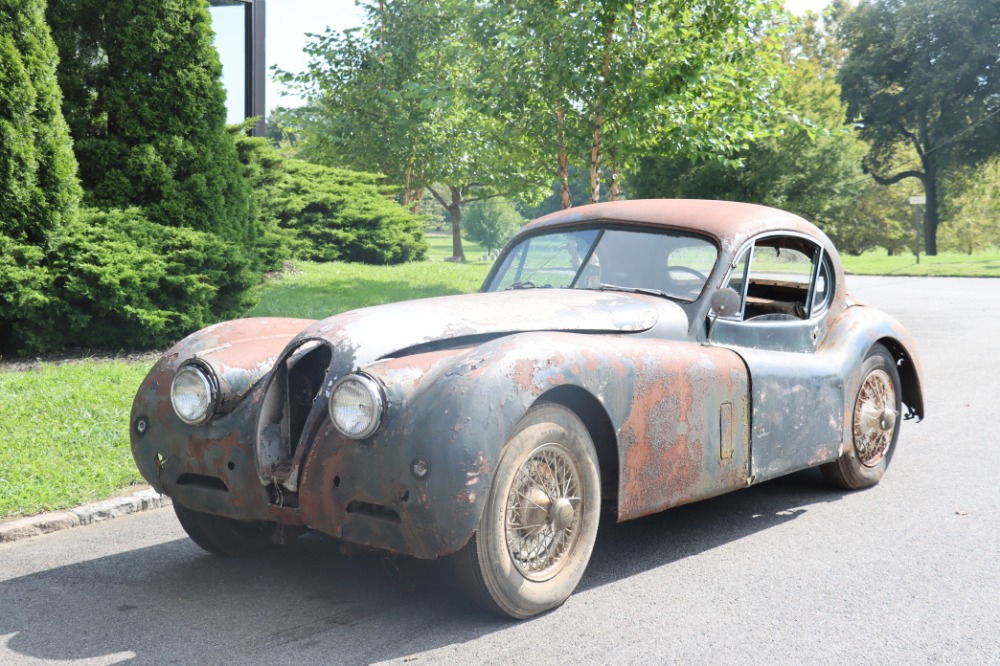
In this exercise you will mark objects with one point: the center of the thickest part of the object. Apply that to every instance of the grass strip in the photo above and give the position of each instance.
(64, 434)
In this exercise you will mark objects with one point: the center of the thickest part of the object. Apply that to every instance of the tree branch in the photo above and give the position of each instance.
(438, 197)
(892, 180)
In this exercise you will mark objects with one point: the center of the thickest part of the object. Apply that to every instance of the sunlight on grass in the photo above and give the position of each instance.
(64, 434)
(321, 290)
(440, 248)
(948, 264)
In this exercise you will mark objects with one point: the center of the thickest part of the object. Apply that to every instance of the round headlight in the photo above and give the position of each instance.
(356, 406)
(192, 393)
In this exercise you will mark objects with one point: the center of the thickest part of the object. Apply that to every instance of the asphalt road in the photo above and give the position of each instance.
(788, 572)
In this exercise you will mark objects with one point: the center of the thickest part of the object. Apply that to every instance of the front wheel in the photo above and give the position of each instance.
(224, 536)
(540, 520)
(874, 425)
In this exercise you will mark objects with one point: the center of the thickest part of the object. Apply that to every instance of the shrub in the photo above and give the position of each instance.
(124, 282)
(324, 214)
(491, 223)
(37, 170)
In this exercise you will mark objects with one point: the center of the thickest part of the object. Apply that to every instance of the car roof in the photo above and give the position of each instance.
(730, 223)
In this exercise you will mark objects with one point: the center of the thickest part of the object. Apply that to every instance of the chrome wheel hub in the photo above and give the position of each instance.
(543, 512)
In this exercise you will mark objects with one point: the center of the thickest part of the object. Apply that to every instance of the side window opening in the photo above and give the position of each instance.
(779, 279)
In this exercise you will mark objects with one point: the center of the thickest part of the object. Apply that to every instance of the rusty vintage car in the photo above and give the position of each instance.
(634, 356)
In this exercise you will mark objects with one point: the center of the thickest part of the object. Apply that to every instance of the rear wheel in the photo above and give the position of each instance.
(540, 521)
(874, 425)
(224, 536)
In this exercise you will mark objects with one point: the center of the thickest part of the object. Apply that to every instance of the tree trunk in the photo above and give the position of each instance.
(931, 213)
(595, 146)
(595, 161)
(408, 185)
(564, 192)
(455, 211)
(615, 189)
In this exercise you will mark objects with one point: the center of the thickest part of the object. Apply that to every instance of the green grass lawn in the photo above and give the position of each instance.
(321, 290)
(947, 264)
(64, 434)
(64, 427)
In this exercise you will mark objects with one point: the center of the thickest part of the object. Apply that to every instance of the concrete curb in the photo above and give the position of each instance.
(24, 528)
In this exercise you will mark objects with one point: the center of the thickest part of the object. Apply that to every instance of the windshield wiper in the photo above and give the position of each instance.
(527, 284)
(633, 290)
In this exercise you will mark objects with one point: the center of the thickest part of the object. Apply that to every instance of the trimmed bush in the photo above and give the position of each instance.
(38, 187)
(318, 213)
(125, 282)
(37, 169)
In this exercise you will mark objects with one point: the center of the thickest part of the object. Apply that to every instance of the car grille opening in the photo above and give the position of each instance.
(373, 511)
(305, 382)
(203, 481)
(291, 408)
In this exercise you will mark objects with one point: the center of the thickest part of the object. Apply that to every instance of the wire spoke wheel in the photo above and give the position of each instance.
(875, 417)
(543, 512)
(539, 522)
(874, 430)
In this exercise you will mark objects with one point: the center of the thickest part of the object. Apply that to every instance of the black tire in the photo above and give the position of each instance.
(224, 536)
(875, 421)
(540, 520)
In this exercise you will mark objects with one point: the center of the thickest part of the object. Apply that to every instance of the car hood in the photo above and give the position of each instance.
(398, 329)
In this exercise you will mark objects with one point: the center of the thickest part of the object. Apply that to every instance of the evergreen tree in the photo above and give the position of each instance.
(147, 111)
(37, 169)
(38, 187)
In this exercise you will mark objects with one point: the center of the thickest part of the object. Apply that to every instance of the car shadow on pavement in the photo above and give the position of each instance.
(309, 603)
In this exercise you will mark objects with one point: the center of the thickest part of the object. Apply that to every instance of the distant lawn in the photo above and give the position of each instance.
(441, 248)
(320, 290)
(946, 264)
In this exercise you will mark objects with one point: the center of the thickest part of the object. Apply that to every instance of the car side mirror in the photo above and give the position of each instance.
(725, 302)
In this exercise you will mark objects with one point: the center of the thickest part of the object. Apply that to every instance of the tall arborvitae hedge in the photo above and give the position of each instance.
(146, 106)
(38, 187)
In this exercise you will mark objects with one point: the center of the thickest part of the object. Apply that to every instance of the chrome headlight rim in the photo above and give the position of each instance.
(374, 391)
(209, 383)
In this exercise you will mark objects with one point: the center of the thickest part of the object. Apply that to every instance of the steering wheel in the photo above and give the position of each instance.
(685, 269)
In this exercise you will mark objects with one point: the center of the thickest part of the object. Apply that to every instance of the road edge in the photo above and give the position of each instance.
(87, 514)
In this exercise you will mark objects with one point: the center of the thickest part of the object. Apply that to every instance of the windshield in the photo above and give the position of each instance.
(671, 264)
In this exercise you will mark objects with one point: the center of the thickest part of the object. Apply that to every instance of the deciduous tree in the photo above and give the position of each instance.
(925, 74)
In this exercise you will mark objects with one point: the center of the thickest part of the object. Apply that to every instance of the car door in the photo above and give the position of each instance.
(785, 283)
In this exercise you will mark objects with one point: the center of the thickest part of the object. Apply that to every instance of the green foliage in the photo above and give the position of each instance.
(37, 170)
(923, 74)
(38, 187)
(396, 97)
(491, 223)
(811, 165)
(973, 220)
(308, 211)
(147, 112)
(603, 82)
